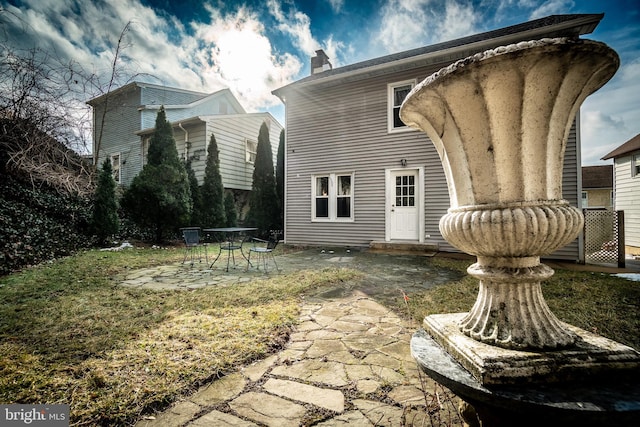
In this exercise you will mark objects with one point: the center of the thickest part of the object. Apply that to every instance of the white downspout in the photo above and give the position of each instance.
(186, 142)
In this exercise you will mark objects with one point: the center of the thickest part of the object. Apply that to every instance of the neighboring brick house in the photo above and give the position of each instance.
(626, 166)
(356, 175)
(597, 186)
(129, 122)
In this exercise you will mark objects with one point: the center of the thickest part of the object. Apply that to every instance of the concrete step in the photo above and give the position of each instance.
(403, 246)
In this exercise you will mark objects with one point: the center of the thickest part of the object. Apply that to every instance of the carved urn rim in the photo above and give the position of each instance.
(523, 46)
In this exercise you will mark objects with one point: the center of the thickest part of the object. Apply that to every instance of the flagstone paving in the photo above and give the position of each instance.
(348, 362)
(361, 375)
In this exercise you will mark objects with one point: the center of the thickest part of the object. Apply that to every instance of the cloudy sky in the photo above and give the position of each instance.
(255, 46)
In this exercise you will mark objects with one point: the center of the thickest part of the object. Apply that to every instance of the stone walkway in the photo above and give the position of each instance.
(347, 364)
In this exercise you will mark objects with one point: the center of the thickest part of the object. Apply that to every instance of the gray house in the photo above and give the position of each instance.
(124, 121)
(626, 166)
(356, 175)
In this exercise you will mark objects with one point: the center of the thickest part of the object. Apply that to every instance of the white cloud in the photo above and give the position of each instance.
(611, 116)
(297, 26)
(336, 5)
(459, 20)
(234, 51)
(406, 24)
(228, 51)
(550, 7)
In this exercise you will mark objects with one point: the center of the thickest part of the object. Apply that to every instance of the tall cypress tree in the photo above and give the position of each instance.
(230, 211)
(280, 178)
(196, 196)
(105, 221)
(159, 196)
(212, 193)
(263, 202)
(162, 145)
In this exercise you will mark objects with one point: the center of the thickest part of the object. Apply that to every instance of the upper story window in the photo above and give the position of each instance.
(635, 165)
(251, 148)
(115, 166)
(332, 197)
(145, 149)
(396, 93)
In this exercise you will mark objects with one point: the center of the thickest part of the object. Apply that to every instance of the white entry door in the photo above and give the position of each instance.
(403, 190)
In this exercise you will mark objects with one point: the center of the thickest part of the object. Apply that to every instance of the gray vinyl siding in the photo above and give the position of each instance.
(627, 195)
(121, 121)
(155, 95)
(126, 115)
(571, 191)
(211, 106)
(230, 133)
(198, 147)
(343, 128)
(152, 95)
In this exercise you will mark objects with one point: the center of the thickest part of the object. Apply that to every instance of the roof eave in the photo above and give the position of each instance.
(583, 24)
(174, 123)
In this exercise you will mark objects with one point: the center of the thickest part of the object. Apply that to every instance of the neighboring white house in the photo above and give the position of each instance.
(357, 175)
(123, 132)
(597, 186)
(626, 166)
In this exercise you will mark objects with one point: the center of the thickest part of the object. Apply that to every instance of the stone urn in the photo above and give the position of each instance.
(500, 121)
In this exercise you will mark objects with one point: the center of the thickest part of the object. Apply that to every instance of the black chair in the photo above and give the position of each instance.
(192, 245)
(263, 248)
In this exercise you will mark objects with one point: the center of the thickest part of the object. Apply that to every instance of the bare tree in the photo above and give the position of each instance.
(119, 76)
(39, 114)
(44, 118)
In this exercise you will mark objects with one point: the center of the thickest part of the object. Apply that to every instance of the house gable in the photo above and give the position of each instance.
(131, 112)
(626, 159)
(450, 51)
(232, 131)
(337, 123)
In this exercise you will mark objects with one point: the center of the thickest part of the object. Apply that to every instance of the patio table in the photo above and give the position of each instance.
(230, 239)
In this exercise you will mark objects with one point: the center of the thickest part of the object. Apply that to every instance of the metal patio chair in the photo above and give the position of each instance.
(193, 246)
(263, 248)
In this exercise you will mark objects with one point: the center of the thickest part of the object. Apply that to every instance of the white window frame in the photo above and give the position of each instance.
(635, 165)
(391, 87)
(251, 151)
(116, 168)
(585, 199)
(332, 196)
(145, 149)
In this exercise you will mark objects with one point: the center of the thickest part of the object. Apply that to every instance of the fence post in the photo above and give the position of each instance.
(621, 242)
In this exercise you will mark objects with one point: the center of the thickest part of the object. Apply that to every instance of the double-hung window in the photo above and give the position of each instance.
(115, 167)
(332, 197)
(635, 165)
(251, 149)
(396, 93)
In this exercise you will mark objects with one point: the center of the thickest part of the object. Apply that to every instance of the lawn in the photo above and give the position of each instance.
(598, 302)
(69, 334)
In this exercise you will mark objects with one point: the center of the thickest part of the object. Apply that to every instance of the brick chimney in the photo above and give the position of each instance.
(320, 62)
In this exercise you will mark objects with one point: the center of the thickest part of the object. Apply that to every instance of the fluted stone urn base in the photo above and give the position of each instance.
(590, 356)
(588, 394)
(508, 239)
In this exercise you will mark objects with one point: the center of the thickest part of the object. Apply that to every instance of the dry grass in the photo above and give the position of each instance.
(597, 302)
(69, 334)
